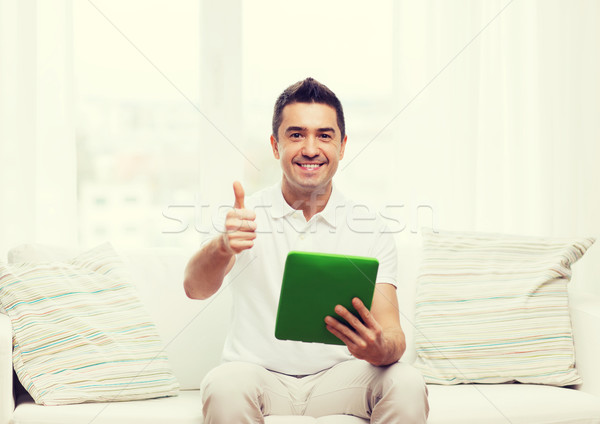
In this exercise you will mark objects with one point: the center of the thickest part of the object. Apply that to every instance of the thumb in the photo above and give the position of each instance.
(238, 190)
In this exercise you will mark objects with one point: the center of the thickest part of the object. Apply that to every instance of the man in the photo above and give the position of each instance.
(262, 375)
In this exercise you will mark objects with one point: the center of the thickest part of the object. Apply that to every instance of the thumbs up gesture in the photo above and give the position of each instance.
(240, 228)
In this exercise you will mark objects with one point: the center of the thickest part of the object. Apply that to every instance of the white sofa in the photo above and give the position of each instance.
(193, 333)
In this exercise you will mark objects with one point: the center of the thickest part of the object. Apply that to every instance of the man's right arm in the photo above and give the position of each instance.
(206, 270)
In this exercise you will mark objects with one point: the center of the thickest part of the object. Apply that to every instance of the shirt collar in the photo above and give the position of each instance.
(280, 207)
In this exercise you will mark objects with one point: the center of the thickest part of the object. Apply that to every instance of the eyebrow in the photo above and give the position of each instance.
(324, 129)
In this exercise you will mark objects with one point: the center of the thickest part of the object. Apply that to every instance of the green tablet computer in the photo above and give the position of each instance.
(313, 284)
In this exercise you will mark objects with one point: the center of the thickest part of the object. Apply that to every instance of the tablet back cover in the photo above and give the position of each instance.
(313, 284)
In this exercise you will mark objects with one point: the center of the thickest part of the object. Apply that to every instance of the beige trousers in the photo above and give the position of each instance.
(243, 393)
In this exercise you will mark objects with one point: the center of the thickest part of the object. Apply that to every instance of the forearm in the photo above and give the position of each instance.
(206, 270)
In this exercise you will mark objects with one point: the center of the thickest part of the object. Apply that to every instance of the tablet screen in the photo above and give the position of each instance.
(313, 284)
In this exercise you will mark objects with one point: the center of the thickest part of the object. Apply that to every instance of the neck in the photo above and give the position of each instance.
(310, 203)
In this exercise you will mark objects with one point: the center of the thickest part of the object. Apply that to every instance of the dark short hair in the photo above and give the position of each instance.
(307, 91)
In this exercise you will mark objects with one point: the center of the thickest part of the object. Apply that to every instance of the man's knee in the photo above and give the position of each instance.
(231, 379)
(405, 383)
(404, 376)
(405, 387)
(231, 392)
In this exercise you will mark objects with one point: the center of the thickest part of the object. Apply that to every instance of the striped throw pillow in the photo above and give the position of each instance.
(80, 333)
(494, 308)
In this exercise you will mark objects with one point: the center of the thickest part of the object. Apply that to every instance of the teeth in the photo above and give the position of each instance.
(310, 165)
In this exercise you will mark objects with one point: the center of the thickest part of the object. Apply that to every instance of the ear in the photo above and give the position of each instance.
(343, 147)
(275, 147)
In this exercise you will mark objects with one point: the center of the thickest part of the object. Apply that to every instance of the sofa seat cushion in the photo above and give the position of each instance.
(476, 403)
(511, 404)
(183, 409)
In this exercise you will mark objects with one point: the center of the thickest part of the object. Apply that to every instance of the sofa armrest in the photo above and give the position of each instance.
(7, 402)
(585, 317)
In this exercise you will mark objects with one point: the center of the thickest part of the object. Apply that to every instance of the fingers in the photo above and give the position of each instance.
(364, 341)
(239, 234)
(352, 320)
(246, 214)
(240, 228)
(238, 191)
(364, 313)
(343, 332)
(369, 329)
(238, 244)
(240, 221)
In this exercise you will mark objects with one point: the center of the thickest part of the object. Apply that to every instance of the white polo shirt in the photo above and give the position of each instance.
(255, 280)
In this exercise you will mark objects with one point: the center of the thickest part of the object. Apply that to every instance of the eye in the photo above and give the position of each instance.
(295, 135)
(326, 136)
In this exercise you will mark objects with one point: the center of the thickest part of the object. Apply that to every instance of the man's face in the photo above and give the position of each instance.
(309, 148)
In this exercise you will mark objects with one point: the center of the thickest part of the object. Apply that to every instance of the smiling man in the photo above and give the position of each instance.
(261, 375)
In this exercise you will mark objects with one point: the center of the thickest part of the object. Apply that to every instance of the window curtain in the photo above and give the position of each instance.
(38, 185)
(495, 121)
(499, 130)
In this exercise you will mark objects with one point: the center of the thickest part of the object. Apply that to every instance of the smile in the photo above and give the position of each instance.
(309, 166)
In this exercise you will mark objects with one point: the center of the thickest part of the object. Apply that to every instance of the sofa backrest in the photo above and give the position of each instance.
(409, 260)
(193, 331)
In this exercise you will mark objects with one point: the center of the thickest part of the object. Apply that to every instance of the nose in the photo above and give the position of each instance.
(310, 147)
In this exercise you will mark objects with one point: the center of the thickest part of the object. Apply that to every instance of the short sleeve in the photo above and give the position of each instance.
(384, 249)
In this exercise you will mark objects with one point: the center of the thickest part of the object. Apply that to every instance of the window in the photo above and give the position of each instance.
(137, 135)
(142, 143)
(343, 44)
